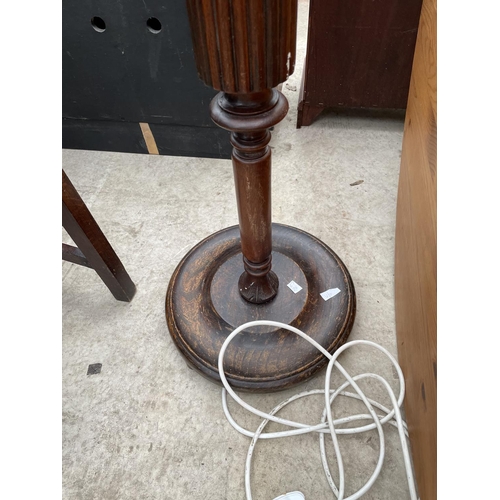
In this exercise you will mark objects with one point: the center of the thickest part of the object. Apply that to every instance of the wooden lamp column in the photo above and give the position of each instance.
(245, 48)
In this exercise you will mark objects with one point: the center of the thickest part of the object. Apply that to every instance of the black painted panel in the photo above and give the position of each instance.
(126, 137)
(126, 73)
(179, 140)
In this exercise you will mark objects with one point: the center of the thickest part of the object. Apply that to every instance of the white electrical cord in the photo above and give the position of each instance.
(327, 425)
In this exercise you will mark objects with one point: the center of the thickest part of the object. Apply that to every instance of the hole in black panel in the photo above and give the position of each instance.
(153, 25)
(98, 24)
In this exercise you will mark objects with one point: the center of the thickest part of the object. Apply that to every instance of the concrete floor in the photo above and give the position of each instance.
(147, 427)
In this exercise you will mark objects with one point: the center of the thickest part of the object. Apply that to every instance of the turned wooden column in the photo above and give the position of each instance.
(248, 117)
(245, 49)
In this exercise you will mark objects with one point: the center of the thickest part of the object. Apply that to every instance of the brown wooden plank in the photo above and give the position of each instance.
(149, 139)
(415, 257)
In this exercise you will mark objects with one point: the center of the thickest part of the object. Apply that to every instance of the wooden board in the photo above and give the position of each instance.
(359, 55)
(415, 260)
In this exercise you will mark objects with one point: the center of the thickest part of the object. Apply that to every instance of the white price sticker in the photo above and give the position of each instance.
(328, 294)
(294, 287)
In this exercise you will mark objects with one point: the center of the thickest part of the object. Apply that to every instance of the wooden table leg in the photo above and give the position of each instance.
(92, 244)
(246, 49)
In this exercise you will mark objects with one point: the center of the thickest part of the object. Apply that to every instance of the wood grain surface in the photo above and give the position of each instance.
(415, 258)
(203, 306)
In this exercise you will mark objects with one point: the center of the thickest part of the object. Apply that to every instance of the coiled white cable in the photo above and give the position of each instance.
(327, 425)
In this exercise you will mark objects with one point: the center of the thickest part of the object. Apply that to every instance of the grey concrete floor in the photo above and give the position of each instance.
(147, 427)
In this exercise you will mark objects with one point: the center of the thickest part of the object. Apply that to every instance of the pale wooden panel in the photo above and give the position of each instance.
(415, 260)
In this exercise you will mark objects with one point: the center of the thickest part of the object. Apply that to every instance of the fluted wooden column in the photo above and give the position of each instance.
(245, 49)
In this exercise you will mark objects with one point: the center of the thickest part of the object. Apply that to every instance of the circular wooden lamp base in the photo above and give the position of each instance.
(204, 305)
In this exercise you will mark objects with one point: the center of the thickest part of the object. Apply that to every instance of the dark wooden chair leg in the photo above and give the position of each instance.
(74, 255)
(94, 250)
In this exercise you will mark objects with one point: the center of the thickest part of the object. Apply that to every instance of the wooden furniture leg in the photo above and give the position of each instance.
(306, 112)
(246, 49)
(93, 249)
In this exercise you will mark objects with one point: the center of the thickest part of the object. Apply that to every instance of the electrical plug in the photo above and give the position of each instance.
(294, 495)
